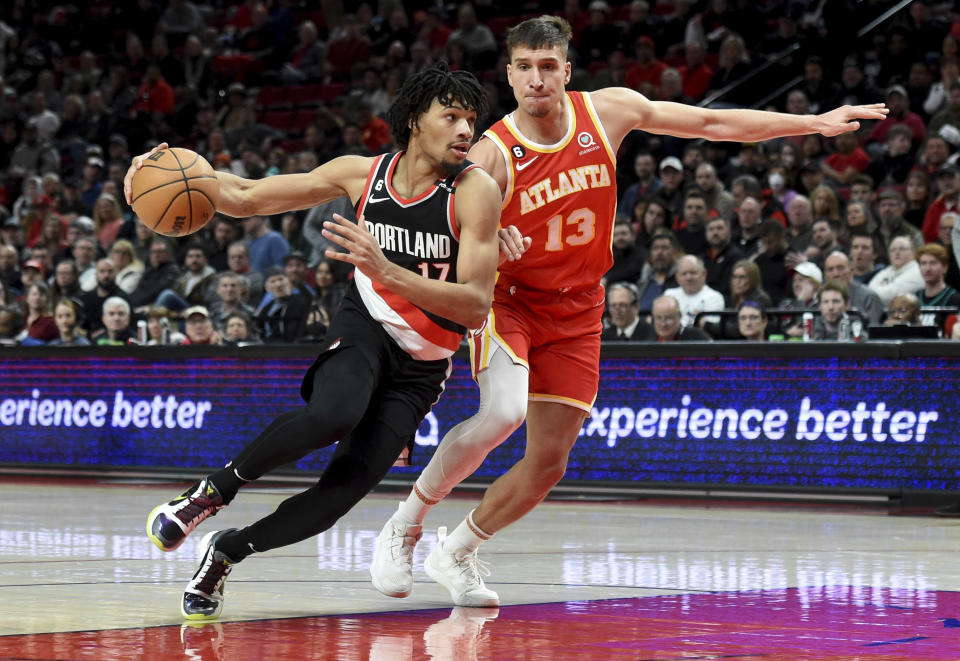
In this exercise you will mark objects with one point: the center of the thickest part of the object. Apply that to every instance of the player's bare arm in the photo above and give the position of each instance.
(622, 110)
(465, 301)
(512, 243)
(241, 197)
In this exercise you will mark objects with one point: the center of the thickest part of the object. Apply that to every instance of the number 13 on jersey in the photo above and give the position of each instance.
(578, 229)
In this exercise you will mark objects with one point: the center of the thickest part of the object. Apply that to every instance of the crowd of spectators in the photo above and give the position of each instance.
(758, 233)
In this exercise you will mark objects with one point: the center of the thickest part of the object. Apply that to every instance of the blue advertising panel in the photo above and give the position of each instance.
(860, 422)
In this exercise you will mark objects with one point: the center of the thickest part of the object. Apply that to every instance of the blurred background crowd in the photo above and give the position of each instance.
(802, 237)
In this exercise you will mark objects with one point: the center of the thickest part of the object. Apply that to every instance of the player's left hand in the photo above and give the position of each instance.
(512, 244)
(363, 250)
(843, 119)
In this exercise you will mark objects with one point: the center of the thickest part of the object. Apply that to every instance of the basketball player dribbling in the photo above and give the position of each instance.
(538, 354)
(425, 253)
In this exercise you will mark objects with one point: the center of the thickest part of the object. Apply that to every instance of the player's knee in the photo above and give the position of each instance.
(548, 471)
(506, 415)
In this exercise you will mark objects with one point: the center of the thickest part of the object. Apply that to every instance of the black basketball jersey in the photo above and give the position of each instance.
(421, 235)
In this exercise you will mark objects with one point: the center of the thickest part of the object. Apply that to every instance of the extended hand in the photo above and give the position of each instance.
(363, 249)
(843, 119)
(512, 244)
(135, 165)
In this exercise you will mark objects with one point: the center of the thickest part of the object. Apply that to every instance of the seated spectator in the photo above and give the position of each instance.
(746, 234)
(199, 327)
(107, 219)
(284, 315)
(752, 321)
(192, 285)
(694, 295)
(39, 327)
(295, 266)
(859, 219)
(160, 330)
(116, 329)
(745, 286)
(772, 260)
(667, 322)
(807, 278)
(834, 303)
(893, 166)
(228, 301)
(864, 251)
(848, 161)
(106, 288)
(267, 247)
(329, 290)
(238, 330)
(721, 255)
(902, 276)
(306, 58)
(129, 268)
(948, 201)
(690, 228)
(823, 234)
(890, 208)
(799, 221)
(917, 196)
(625, 324)
(66, 316)
(66, 283)
(85, 255)
(10, 267)
(904, 311)
(161, 273)
(899, 104)
(628, 257)
(837, 267)
(238, 259)
(934, 261)
(11, 324)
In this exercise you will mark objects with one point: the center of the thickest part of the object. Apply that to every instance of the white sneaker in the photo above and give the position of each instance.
(459, 572)
(392, 568)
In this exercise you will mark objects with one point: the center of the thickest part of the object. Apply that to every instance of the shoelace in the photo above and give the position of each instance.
(401, 546)
(197, 505)
(214, 575)
(474, 568)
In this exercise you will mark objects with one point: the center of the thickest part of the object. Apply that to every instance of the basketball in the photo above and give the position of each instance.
(175, 192)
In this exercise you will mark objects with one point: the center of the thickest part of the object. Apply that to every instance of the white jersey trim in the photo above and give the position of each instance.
(396, 327)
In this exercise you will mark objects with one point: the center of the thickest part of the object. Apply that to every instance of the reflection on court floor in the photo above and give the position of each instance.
(877, 624)
(633, 581)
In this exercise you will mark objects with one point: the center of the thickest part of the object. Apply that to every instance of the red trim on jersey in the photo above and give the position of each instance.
(366, 188)
(417, 320)
(451, 212)
(399, 198)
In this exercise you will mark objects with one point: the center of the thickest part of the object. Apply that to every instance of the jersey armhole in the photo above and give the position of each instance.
(507, 163)
(361, 204)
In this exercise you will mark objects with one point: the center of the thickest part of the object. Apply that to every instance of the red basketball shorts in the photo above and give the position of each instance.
(556, 334)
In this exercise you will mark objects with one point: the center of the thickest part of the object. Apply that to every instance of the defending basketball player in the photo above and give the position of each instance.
(538, 354)
(412, 298)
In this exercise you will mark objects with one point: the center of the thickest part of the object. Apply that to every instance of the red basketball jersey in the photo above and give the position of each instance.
(563, 196)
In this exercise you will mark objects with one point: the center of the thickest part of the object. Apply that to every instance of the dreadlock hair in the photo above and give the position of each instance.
(419, 91)
(549, 31)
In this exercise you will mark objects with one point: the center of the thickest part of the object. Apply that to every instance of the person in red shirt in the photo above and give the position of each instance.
(948, 180)
(696, 74)
(848, 161)
(155, 95)
(376, 132)
(645, 75)
(899, 104)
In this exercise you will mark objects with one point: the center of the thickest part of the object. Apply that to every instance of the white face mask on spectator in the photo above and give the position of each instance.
(775, 180)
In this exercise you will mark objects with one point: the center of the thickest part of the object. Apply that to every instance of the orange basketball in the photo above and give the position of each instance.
(175, 192)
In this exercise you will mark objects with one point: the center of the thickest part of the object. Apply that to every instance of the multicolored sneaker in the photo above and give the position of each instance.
(460, 571)
(203, 598)
(169, 524)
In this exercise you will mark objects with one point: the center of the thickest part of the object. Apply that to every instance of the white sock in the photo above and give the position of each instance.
(467, 536)
(414, 509)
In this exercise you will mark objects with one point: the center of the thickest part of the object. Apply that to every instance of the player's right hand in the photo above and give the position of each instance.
(135, 164)
(512, 243)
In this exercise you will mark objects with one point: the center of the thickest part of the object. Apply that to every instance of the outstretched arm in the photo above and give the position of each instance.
(622, 110)
(241, 197)
(465, 300)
